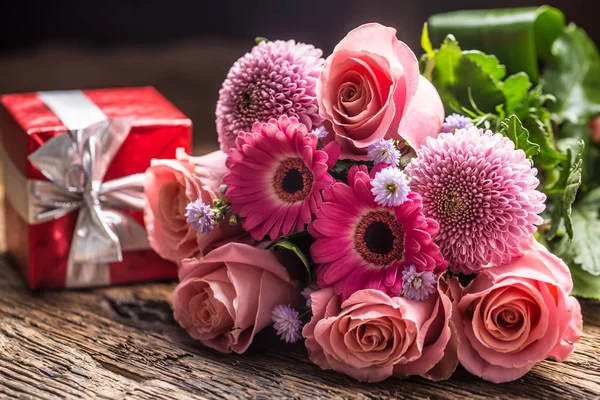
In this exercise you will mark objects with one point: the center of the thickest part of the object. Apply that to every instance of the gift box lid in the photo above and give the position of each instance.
(145, 105)
(148, 110)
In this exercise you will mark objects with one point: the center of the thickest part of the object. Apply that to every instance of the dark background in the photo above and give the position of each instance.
(184, 48)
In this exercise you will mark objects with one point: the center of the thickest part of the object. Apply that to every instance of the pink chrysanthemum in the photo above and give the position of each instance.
(275, 177)
(482, 193)
(363, 245)
(275, 78)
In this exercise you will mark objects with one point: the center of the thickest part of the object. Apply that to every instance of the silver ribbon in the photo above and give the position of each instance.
(75, 163)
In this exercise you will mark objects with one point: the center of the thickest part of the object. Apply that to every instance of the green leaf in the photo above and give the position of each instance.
(548, 157)
(519, 37)
(512, 128)
(563, 192)
(591, 154)
(294, 258)
(573, 76)
(425, 42)
(488, 63)
(584, 284)
(586, 243)
(573, 183)
(462, 82)
(259, 39)
(286, 244)
(515, 90)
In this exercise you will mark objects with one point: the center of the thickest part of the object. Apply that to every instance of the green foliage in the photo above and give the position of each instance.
(573, 76)
(582, 253)
(540, 134)
(564, 191)
(488, 63)
(515, 90)
(463, 81)
(513, 129)
(519, 37)
(591, 154)
(584, 284)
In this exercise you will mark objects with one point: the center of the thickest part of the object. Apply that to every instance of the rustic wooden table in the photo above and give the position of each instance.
(122, 343)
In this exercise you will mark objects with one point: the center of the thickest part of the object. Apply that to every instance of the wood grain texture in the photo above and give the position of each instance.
(123, 343)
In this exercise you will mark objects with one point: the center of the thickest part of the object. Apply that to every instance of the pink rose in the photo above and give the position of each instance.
(370, 89)
(170, 186)
(371, 336)
(515, 315)
(226, 297)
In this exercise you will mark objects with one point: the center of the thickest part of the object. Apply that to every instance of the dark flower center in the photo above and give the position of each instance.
(293, 180)
(453, 205)
(379, 238)
(246, 100)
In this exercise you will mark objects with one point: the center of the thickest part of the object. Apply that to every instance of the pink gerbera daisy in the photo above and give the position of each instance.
(275, 177)
(363, 245)
(482, 193)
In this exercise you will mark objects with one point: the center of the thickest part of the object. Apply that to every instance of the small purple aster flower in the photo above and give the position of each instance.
(456, 121)
(274, 79)
(307, 291)
(286, 323)
(200, 216)
(321, 132)
(482, 192)
(390, 187)
(417, 285)
(385, 152)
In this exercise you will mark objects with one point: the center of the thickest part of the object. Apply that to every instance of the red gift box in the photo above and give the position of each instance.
(42, 250)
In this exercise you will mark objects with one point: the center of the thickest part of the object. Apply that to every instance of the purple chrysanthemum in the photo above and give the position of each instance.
(200, 216)
(384, 151)
(456, 121)
(286, 323)
(482, 193)
(417, 285)
(273, 79)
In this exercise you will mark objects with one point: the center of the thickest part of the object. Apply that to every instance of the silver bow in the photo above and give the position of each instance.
(75, 163)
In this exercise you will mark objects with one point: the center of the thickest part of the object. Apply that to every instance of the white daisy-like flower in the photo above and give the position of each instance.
(390, 187)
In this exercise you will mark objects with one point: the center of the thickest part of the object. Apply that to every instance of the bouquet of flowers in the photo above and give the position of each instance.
(394, 213)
